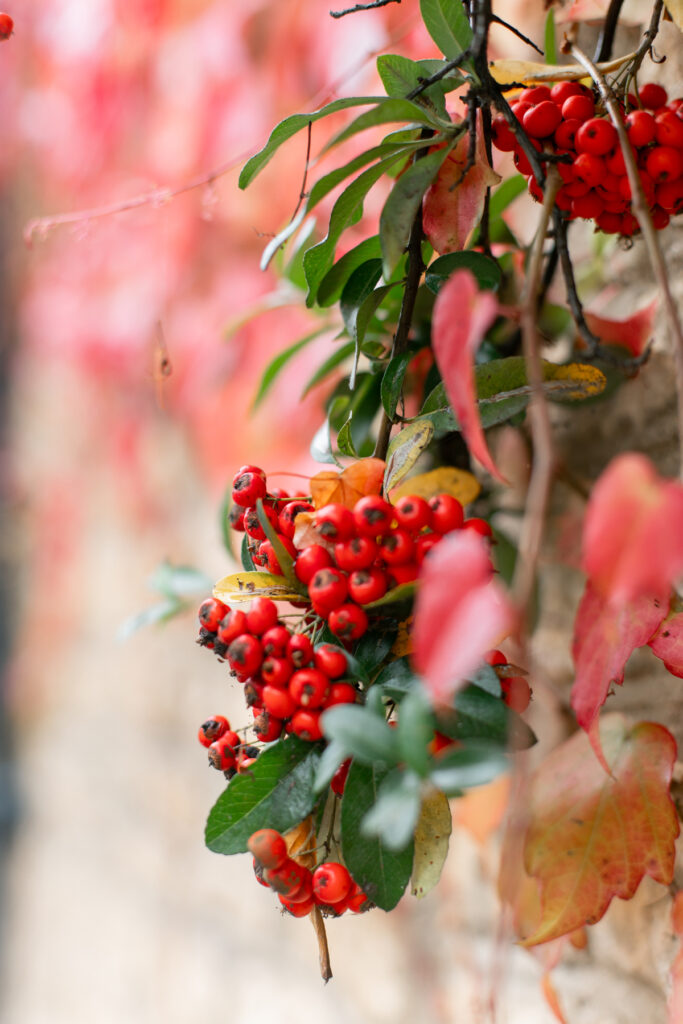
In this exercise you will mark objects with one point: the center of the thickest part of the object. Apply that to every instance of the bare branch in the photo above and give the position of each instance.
(363, 7)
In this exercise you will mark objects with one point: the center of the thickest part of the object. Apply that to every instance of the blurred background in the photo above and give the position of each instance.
(131, 351)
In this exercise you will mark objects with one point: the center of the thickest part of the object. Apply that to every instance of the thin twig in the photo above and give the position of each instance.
(641, 211)
(648, 40)
(363, 7)
(515, 31)
(603, 50)
(323, 948)
(539, 416)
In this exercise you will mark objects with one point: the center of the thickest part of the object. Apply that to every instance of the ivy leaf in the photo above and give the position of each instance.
(667, 642)
(486, 270)
(394, 816)
(398, 214)
(290, 126)
(278, 793)
(363, 735)
(405, 449)
(244, 586)
(382, 873)
(594, 835)
(444, 480)
(448, 25)
(432, 835)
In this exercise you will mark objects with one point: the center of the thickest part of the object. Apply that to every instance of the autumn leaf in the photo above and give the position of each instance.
(445, 480)
(453, 204)
(245, 586)
(675, 9)
(432, 834)
(605, 636)
(632, 333)
(346, 488)
(675, 1004)
(592, 835)
(462, 315)
(667, 642)
(526, 72)
(633, 535)
(481, 811)
(460, 613)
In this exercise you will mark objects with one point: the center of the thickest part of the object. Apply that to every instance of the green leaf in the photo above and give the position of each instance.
(283, 556)
(403, 592)
(348, 209)
(416, 725)
(382, 873)
(397, 679)
(332, 284)
(472, 765)
(398, 214)
(504, 194)
(394, 816)
(330, 364)
(324, 185)
(405, 449)
(321, 446)
(245, 555)
(486, 270)
(277, 364)
(278, 793)
(361, 733)
(345, 441)
(446, 21)
(178, 580)
(290, 126)
(482, 716)
(550, 43)
(359, 286)
(392, 381)
(364, 315)
(400, 76)
(387, 112)
(372, 649)
(487, 679)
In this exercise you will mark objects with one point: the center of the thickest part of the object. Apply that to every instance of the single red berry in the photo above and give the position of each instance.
(439, 743)
(327, 590)
(338, 780)
(521, 161)
(268, 847)
(258, 872)
(236, 518)
(412, 513)
(335, 522)
(629, 224)
(262, 615)
(279, 702)
(298, 909)
(397, 547)
(447, 513)
(640, 127)
(516, 693)
(652, 96)
(588, 206)
(252, 523)
(300, 650)
(495, 658)
(660, 218)
(331, 882)
(268, 727)
(565, 138)
(356, 553)
(212, 729)
(276, 672)
(589, 169)
(248, 488)
(6, 26)
(349, 622)
(367, 585)
(340, 693)
(211, 612)
(308, 687)
(245, 654)
(615, 163)
(561, 91)
(596, 136)
(256, 470)
(519, 109)
(310, 561)
(331, 660)
(373, 516)
(541, 121)
(274, 641)
(288, 879)
(664, 163)
(479, 526)
(406, 573)
(268, 552)
(670, 195)
(253, 695)
(223, 752)
(424, 545)
(578, 188)
(609, 223)
(358, 901)
(578, 108)
(535, 94)
(289, 513)
(306, 725)
(231, 626)
(669, 129)
(502, 136)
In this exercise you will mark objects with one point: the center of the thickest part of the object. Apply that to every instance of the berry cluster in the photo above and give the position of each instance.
(329, 886)
(361, 552)
(287, 682)
(227, 752)
(516, 690)
(563, 120)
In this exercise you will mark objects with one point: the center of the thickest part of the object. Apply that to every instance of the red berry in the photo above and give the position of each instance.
(609, 223)
(406, 573)
(261, 616)
(268, 552)
(542, 120)
(306, 725)
(516, 693)
(669, 129)
(308, 687)
(267, 727)
(339, 778)
(253, 695)
(664, 163)
(356, 553)
(367, 585)
(397, 547)
(310, 561)
(358, 901)
(521, 162)
(373, 516)
(6, 26)
(236, 518)
(328, 590)
(495, 658)
(275, 640)
(223, 752)
(565, 137)
(589, 169)
(578, 188)
(660, 218)
(211, 612)
(424, 545)
(331, 882)
(479, 526)
(349, 622)
(212, 729)
(502, 136)
(670, 195)
(268, 847)
(596, 136)
(615, 163)
(578, 108)
(519, 109)
(331, 660)
(652, 95)
(412, 513)
(335, 522)
(535, 94)
(276, 672)
(588, 206)
(258, 872)
(447, 513)
(288, 879)
(340, 693)
(561, 91)
(278, 702)
(231, 626)
(248, 469)
(289, 513)
(302, 908)
(300, 650)
(647, 183)
(640, 127)
(248, 488)
(245, 654)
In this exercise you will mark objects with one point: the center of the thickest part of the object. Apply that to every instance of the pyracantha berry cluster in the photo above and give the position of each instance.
(564, 120)
(227, 752)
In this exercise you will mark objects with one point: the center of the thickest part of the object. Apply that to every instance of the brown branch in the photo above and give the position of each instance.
(539, 416)
(641, 211)
(363, 7)
(323, 948)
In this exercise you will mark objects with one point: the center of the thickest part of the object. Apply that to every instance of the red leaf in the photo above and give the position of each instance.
(449, 213)
(462, 315)
(667, 643)
(461, 612)
(632, 333)
(633, 533)
(593, 835)
(605, 636)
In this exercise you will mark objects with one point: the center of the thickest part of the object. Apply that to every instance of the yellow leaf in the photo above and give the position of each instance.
(243, 586)
(589, 380)
(431, 843)
(445, 480)
(301, 843)
(403, 644)
(675, 9)
(527, 72)
(405, 449)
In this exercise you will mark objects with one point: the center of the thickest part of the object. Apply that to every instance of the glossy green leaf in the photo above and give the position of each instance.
(361, 733)
(486, 270)
(372, 649)
(403, 592)
(366, 312)
(277, 364)
(397, 679)
(405, 199)
(448, 25)
(382, 873)
(394, 816)
(332, 284)
(483, 716)
(405, 449)
(345, 441)
(392, 381)
(245, 555)
(321, 446)
(400, 76)
(505, 194)
(388, 111)
(278, 793)
(474, 764)
(415, 731)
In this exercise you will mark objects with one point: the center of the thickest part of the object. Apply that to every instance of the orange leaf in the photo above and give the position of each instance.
(453, 204)
(346, 488)
(633, 333)
(676, 995)
(667, 643)
(462, 315)
(593, 836)
(481, 810)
